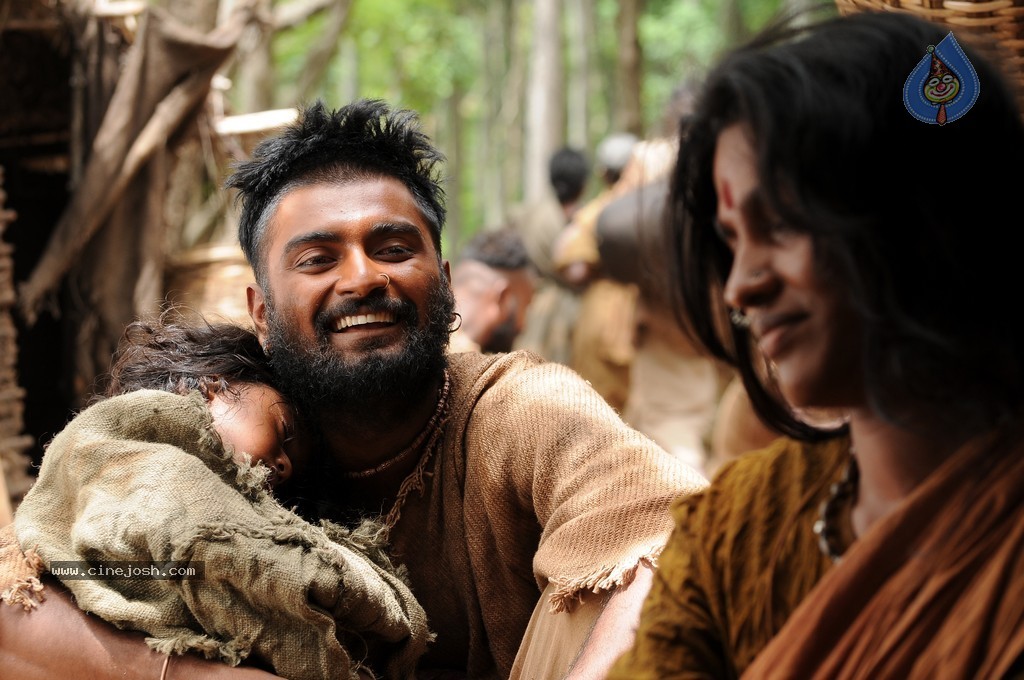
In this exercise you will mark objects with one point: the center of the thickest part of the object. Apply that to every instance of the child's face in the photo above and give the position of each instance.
(256, 419)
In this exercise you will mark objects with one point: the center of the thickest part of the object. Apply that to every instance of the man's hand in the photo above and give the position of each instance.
(58, 640)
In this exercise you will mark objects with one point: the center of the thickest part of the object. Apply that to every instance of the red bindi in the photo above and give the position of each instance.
(726, 195)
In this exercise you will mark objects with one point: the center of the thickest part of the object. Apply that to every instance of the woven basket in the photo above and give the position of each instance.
(210, 281)
(1002, 20)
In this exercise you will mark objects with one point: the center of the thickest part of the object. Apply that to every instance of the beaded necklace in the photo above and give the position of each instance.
(840, 492)
(431, 429)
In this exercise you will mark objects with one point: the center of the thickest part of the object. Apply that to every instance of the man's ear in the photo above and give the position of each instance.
(501, 289)
(446, 269)
(257, 310)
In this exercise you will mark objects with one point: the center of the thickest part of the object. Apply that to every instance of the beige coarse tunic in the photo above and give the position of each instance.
(537, 481)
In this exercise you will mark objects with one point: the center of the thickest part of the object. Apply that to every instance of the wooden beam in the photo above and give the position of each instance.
(260, 121)
(294, 13)
(118, 8)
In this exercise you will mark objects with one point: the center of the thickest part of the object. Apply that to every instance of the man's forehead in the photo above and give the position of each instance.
(365, 200)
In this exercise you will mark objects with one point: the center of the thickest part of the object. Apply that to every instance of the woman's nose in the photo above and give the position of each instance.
(751, 280)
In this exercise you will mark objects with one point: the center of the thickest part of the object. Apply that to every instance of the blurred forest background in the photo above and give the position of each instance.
(117, 129)
(500, 84)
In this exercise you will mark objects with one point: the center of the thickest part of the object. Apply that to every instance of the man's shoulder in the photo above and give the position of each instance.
(472, 367)
(521, 375)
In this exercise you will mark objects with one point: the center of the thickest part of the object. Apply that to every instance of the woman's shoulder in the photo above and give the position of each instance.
(764, 490)
(750, 541)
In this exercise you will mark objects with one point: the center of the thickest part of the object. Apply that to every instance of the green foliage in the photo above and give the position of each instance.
(429, 55)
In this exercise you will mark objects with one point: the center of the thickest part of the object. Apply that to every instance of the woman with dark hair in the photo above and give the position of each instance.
(858, 250)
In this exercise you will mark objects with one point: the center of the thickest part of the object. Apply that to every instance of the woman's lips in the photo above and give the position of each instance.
(773, 330)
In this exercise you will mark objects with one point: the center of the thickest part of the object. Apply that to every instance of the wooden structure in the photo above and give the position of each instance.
(1000, 21)
(97, 102)
(14, 480)
(36, 154)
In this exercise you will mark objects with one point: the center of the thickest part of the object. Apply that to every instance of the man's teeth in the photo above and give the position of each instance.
(360, 319)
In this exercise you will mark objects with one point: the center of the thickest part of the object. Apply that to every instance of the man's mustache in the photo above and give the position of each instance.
(404, 311)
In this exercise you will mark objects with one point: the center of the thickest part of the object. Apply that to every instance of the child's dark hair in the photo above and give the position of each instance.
(158, 354)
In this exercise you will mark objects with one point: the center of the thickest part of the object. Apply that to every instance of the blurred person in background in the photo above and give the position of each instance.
(493, 286)
(552, 314)
(603, 339)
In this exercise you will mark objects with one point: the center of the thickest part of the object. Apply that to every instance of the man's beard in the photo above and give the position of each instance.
(376, 386)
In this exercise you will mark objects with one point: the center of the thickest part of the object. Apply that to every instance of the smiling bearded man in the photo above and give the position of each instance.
(500, 477)
(528, 515)
(320, 378)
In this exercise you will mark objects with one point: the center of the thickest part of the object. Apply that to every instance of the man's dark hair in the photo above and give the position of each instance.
(157, 354)
(497, 248)
(909, 219)
(362, 140)
(568, 171)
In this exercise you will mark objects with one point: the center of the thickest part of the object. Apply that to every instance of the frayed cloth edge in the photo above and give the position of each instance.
(569, 592)
(232, 652)
(27, 591)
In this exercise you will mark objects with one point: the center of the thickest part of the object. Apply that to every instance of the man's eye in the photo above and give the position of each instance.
(313, 261)
(394, 251)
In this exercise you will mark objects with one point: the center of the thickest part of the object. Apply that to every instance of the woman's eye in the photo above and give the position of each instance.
(779, 227)
(724, 233)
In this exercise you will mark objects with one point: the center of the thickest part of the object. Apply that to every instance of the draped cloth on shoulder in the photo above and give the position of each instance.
(143, 477)
(537, 485)
(935, 590)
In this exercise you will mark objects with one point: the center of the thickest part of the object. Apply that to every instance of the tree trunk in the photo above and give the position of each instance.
(577, 13)
(494, 136)
(456, 208)
(543, 132)
(254, 78)
(734, 29)
(348, 83)
(629, 111)
(199, 14)
(319, 58)
(510, 118)
(120, 272)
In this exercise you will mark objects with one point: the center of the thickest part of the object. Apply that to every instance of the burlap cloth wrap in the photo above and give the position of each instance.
(142, 477)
